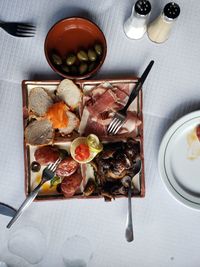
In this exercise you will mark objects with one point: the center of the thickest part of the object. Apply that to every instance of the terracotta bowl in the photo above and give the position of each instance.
(71, 35)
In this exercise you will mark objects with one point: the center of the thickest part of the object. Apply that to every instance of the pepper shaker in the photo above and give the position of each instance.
(159, 30)
(136, 25)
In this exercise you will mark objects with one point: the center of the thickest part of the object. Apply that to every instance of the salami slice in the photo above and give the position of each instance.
(67, 167)
(70, 184)
(46, 155)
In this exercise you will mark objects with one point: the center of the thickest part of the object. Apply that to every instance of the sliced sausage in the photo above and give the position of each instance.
(70, 184)
(46, 154)
(67, 167)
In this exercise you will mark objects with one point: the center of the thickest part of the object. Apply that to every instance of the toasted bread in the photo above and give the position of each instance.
(69, 93)
(39, 132)
(39, 101)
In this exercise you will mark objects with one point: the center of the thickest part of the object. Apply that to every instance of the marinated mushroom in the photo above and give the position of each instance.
(115, 162)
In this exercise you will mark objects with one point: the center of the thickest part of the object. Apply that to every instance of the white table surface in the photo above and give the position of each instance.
(166, 232)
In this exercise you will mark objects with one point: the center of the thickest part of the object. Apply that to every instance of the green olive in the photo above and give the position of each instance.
(56, 59)
(98, 48)
(83, 68)
(92, 55)
(82, 55)
(91, 66)
(71, 59)
(65, 68)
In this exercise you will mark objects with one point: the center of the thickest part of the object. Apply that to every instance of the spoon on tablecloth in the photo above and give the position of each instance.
(128, 183)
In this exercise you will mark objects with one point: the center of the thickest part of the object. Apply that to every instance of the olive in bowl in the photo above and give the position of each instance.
(75, 48)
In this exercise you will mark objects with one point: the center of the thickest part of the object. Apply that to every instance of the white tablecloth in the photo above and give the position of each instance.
(92, 231)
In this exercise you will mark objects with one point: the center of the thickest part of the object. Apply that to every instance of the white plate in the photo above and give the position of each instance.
(179, 160)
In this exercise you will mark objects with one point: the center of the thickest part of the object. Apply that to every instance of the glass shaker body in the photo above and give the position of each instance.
(159, 30)
(136, 25)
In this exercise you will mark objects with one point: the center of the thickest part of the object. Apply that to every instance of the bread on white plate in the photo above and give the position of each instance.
(39, 101)
(69, 93)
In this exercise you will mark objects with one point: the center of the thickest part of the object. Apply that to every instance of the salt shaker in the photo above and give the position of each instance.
(136, 25)
(159, 30)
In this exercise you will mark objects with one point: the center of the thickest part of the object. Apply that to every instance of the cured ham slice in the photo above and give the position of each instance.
(100, 105)
(104, 103)
(95, 127)
(131, 123)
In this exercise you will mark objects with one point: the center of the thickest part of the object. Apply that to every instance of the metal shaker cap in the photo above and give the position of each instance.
(142, 7)
(171, 10)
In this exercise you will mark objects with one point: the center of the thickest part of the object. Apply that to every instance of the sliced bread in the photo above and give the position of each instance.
(39, 132)
(69, 93)
(39, 101)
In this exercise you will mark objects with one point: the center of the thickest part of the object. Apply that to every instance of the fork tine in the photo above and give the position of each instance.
(111, 124)
(24, 34)
(26, 30)
(50, 165)
(26, 26)
(55, 164)
(118, 123)
(117, 129)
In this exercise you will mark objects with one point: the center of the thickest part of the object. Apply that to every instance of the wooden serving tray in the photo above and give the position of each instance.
(84, 85)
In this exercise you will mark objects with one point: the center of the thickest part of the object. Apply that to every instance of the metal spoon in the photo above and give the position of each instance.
(129, 225)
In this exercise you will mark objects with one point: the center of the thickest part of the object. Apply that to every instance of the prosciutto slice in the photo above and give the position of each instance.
(104, 103)
(100, 105)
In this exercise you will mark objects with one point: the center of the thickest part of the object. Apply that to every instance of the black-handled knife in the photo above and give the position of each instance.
(138, 85)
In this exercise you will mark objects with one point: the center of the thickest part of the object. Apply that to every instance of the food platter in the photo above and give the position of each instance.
(60, 142)
(179, 160)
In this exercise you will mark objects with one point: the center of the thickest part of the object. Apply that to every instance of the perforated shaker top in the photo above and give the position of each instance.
(172, 10)
(142, 7)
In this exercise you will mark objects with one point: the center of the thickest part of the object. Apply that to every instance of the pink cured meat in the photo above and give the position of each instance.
(104, 103)
(95, 127)
(122, 92)
(97, 92)
(131, 123)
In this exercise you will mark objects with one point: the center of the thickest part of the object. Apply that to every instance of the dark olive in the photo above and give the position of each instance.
(56, 59)
(83, 68)
(35, 166)
(98, 48)
(58, 188)
(73, 70)
(65, 68)
(71, 59)
(91, 66)
(92, 55)
(63, 153)
(82, 55)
